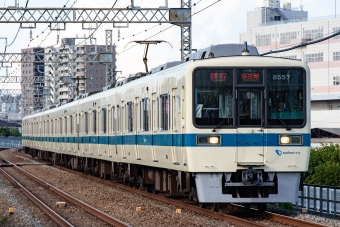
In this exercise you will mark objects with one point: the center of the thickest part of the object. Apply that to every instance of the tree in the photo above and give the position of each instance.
(324, 166)
(4, 131)
(14, 132)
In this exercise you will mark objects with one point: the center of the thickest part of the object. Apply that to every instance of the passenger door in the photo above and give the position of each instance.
(250, 120)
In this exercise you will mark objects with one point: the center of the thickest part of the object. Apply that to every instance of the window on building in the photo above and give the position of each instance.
(129, 117)
(91, 70)
(263, 40)
(336, 80)
(289, 56)
(91, 85)
(145, 113)
(287, 36)
(336, 56)
(91, 49)
(312, 34)
(91, 77)
(277, 18)
(313, 57)
(336, 29)
(164, 112)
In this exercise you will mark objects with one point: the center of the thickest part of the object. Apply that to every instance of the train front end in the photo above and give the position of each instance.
(250, 130)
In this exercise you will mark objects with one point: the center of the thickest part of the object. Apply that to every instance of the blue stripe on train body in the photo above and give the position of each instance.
(186, 140)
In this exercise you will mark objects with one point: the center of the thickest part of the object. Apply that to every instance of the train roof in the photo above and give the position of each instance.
(195, 62)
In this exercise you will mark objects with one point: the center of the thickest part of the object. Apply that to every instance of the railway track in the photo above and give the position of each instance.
(47, 198)
(217, 215)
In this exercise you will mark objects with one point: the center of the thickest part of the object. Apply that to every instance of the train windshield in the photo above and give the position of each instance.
(213, 97)
(285, 103)
(249, 97)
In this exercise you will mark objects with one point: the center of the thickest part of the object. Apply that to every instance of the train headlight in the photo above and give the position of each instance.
(208, 140)
(290, 139)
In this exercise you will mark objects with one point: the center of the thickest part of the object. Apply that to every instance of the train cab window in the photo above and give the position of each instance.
(145, 115)
(164, 112)
(213, 97)
(103, 120)
(86, 123)
(129, 117)
(286, 97)
(94, 122)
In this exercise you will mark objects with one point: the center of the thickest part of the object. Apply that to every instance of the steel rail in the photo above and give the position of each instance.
(289, 220)
(275, 217)
(272, 216)
(219, 216)
(92, 210)
(48, 211)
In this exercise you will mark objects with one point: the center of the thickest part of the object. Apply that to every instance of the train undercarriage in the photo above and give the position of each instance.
(155, 180)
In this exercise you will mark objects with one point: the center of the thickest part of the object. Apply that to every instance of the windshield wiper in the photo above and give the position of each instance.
(284, 124)
(217, 126)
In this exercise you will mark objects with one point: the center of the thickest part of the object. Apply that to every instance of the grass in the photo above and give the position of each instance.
(3, 220)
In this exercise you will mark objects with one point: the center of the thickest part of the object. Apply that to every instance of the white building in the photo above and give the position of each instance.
(271, 28)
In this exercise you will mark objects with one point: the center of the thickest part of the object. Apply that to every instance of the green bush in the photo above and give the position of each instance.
(324, 166)
(287, 206)
(3, 220)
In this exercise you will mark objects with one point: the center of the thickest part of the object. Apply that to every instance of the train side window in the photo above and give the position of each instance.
(145, 113)
(103, 120)
(94, 122)
(118, 119)
(129, 117)
(86, 123)
(164, 112)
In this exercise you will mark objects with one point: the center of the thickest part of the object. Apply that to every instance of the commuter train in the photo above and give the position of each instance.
(217, 128)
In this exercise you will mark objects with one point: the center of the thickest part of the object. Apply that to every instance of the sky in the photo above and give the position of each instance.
(222, 22)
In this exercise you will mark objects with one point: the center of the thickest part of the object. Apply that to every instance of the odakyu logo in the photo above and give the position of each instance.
(279, 153)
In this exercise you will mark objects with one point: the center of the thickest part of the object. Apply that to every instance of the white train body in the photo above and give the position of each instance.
(192, 118)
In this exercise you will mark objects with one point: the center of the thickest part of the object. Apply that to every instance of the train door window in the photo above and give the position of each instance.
(129, 117)
(65, 127)
(71, 125)
(118, 119)
(145, 115)
(174, 110)
(60, 126)
(250, 107)
(103, 120)
(94, 122)
(154, 113)
(164, 112)
(213, 98)
(86, 123)
(113, 120)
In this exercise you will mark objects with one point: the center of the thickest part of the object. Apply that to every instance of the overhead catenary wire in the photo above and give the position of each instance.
(170, 26)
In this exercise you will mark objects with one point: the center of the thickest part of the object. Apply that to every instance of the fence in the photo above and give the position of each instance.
(10, 141)
(324, 200)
